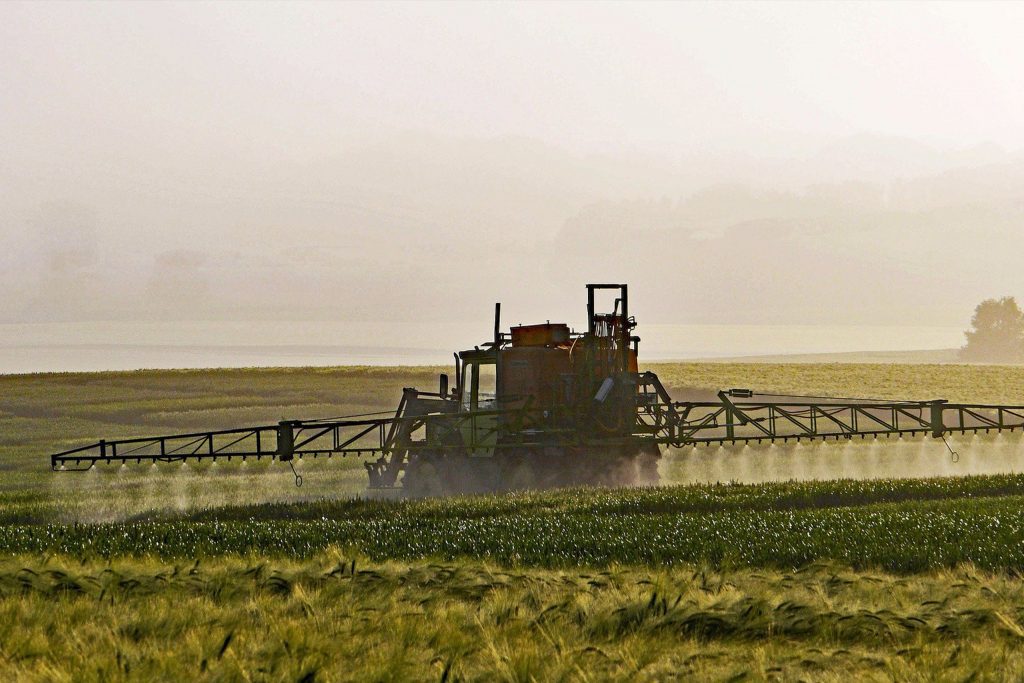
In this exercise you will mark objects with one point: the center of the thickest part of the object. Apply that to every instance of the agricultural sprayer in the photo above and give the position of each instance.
(544, 406)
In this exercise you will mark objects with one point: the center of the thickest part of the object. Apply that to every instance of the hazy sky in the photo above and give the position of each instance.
(666, 78)
(419, 160)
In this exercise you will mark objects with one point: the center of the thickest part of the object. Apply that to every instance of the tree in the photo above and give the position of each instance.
(998, 332)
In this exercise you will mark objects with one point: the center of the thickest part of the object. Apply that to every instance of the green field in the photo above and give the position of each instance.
(228, 572)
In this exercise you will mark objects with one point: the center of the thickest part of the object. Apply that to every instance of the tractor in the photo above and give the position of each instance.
(544, 406)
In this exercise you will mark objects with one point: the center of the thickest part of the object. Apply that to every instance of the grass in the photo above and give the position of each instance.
(231, 573)
(901, 526)
(930, 356)
(956, 383)
(338, 616)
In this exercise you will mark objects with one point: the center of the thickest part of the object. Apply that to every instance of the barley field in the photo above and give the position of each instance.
(879, 560)
(337, 616)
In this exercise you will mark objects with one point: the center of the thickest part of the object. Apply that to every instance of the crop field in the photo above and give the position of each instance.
(229, 572)
(336, 616)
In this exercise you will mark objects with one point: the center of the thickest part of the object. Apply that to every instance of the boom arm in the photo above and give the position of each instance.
(785, 418)
(283, 441)
(739, 416)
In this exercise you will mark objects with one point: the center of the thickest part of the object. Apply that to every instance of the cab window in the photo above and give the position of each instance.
(479, 386)
(487, 386)
(467, 386)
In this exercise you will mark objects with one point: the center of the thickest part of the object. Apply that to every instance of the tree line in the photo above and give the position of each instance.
(996, 334)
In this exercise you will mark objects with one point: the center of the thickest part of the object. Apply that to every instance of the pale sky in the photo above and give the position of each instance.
(420, 160)
(661, 78)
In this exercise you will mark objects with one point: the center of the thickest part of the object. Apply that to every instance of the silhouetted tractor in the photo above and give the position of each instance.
(539, 407)
(545, 406)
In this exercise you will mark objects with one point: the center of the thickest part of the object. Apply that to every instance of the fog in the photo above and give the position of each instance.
(763, 164)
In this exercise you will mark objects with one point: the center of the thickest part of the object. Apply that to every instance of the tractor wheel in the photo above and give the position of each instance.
(422, 479)
(550, 466)
(520, 476)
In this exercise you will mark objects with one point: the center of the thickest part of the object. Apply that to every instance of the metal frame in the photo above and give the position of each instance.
(658, 421)
(736, 422)
(642, 413)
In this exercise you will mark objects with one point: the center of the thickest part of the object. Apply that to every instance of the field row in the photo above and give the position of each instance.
(905, 537)
(695, 498)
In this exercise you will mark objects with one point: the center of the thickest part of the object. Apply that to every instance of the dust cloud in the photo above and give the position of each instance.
(915, 457)
(119, 493)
